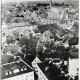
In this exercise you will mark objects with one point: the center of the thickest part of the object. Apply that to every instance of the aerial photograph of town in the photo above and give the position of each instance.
(40, 40)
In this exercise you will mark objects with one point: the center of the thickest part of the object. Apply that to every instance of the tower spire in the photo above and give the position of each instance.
(50, 3)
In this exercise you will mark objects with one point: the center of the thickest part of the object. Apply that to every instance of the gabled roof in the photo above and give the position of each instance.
(37, 57)
(72, 13)
(18, 65)
(61, 32)
(46, 36)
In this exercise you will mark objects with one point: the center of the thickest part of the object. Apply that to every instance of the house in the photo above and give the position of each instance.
(18, 70)
(71, 14)
(61, 33)
(53, 13)
(34, 63)
(35, 31)
(73, 67)
(67, 19)
(49, 71)
(47, 36)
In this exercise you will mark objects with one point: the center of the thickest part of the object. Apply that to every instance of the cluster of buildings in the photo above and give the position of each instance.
(40, 25)
(15, 68)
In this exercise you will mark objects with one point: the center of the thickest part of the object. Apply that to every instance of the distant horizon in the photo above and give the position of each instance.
(8, 1)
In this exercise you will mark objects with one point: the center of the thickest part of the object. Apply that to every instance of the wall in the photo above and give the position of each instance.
(41, 75)
(26, 76)
(73, 65)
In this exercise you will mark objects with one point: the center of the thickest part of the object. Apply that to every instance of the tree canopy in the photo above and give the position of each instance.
(73, 41)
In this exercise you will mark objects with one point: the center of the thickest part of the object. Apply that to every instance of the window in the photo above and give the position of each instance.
(25, 68)
(35, 67)
(10, 72)
(40, 73)
(21, 69)
(6, 73)
(16, 71)
(77, 69)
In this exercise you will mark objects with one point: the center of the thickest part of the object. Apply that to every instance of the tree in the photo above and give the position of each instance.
(8, 19)
(10, 40)
(13, 49)
(30, 45)
(15, 34)
(73, 41)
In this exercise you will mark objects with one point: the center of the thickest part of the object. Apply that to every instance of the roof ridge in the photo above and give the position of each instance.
(27, 64)
(10, 63)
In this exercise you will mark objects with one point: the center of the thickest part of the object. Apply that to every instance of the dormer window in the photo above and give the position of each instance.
(10, 72)
(25, 68)
(16, 71)
(21, 69)
(6, 73)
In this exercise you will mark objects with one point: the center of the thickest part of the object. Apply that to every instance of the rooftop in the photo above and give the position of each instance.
(61, 32)
(50, 70)
(14, 69)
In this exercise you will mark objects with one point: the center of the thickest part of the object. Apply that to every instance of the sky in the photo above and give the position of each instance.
(3, 1)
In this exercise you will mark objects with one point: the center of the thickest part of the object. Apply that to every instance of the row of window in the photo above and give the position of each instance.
(15, 71)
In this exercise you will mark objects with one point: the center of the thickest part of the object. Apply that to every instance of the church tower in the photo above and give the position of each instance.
(50, 3)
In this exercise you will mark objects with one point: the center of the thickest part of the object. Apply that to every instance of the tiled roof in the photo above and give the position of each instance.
(61, 32)
(50, 27)
(14, 66)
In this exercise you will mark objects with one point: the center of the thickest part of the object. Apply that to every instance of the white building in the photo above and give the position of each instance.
(73, 67)
(34, 63)
(18, 70)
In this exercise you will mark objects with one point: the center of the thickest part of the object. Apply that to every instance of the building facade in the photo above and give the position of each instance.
(34, 63)
(73, 67)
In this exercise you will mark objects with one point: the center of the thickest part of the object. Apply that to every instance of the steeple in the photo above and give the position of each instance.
(50, 3)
